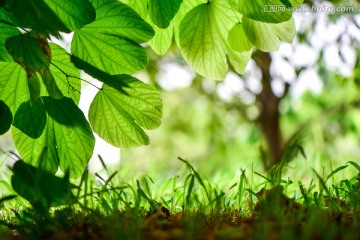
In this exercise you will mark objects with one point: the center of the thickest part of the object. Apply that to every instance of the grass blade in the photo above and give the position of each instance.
(335, 171)
(357, 166)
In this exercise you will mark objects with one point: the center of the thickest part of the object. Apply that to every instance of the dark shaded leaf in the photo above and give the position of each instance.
(37, 15)
(41, 188)
(163, 11)
(31, 52)
(74, 14)
(292, 3)
(31, 118)
(5, 117)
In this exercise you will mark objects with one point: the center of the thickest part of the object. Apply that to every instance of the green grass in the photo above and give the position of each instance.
(189, 206)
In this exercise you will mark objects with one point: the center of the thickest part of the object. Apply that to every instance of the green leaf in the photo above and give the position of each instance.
(267, 36)
(269, 11)
(73, 136)
(162, 40)
(31, 119)
(185, 7)
(118, 117)
(66, 75)
(67, 139)
(6, 31)
(5, 118)
(37, 15)
(13, 85)
(203, 37)
(73, 13)
(116, 18)
(41, 188)
(163, 11)
(111, 54)
(238, 39)
(140, 6)
(200, 43)
(33, 53)
(239, 60)
(40, 152)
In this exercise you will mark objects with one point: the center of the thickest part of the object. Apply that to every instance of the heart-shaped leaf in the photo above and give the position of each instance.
(141, 106)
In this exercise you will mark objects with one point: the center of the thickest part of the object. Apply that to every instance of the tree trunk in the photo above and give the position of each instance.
(269, 118)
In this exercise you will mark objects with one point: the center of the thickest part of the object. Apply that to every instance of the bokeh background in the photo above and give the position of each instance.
(215, 125)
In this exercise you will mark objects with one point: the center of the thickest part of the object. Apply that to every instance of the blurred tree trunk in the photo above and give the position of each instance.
(269, 118)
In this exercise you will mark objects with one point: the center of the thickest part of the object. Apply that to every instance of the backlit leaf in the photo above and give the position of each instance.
(203, 37)
(139, 6)
(116, 18)
(163, 11)
(111, 54)
(200, 43)
(13, 85)
(238, 39)
(140, 107)
(238, 60)
(267, 36)
(162, 40)
(185, 7)
(5, 117)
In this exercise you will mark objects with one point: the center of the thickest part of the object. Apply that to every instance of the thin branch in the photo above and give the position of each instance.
(81, 79)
